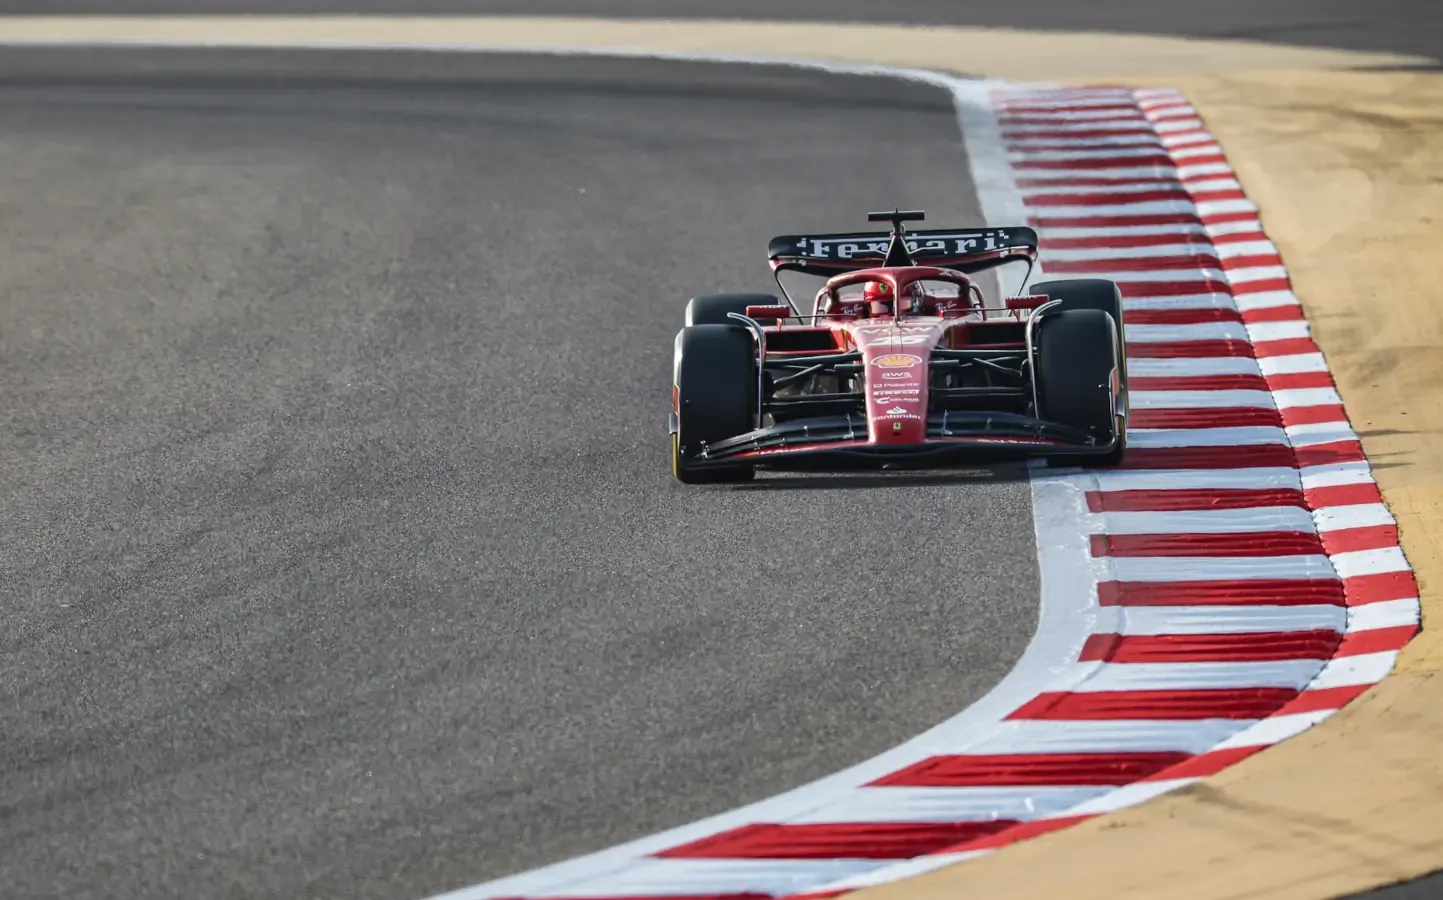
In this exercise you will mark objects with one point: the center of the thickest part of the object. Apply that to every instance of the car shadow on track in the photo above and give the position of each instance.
(873, 479)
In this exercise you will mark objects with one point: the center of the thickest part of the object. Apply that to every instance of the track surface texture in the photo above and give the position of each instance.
(1401, 26)
(342, 556)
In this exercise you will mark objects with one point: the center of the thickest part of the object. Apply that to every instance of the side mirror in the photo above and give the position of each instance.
(770, 313)
(1031, 301)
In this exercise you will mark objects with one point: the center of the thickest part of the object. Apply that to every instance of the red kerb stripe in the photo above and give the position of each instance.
(848, 840)
(1350, 540)
(1031, 770)
(1184, 499)
(1247, 543)
(1312, 415)
(1207, 648)
(1323, 699)
(1248, 456)
(1204, 417)
(1196, 315)
(1206, 764)
(1376, 640)
(1240, 592)
(1179, 218)
(1289, 312)
(1343, 495)
(1286, 347)
(1020, 832)
(1209, 703)
(1099, 163)
(1119, 198)
(1173, 288)
(1121, 241)
(1363, 589)
(1188, 349)
(1290, 380)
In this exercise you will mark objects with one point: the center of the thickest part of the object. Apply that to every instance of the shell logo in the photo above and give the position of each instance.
(896, 361)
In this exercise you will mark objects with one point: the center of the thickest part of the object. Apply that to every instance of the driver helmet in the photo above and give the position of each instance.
(878, 296)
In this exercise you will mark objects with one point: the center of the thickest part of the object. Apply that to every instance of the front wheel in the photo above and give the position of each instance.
(715, 384)
(1079, 372)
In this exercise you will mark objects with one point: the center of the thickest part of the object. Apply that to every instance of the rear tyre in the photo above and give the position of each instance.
(1077, 353)
(712, 309)
(716, 391)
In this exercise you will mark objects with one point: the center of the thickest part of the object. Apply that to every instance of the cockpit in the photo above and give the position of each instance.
(883, 293)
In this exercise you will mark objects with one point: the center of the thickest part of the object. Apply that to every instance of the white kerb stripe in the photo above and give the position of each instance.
(1351, 671)
(1211, 568)
(1292, 673)
(643, 876)
(1132, 795)
(1103, 736)
(1362, 515)
(1169, 334)
(1385, 614)
(1193, 479)
(947, 804)
(1209, 365)
(1199, 399)
(1249, 435)
(1204, 521)
(1370, 562)
(1275, 729)
(1161, 620)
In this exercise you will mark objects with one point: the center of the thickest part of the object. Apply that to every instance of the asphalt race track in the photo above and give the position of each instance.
(343, 551)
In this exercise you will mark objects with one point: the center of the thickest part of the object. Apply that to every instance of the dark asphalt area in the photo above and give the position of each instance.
(1400, 26)
(340, 547)
(342, 554)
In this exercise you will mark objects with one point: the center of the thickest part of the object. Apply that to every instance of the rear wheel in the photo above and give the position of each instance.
(716, 391)
(712, 309)
(1077, 354)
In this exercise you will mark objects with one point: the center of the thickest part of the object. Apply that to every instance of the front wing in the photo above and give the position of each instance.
(953, 438)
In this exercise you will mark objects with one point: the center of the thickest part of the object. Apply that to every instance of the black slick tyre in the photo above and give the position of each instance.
(1089, 293)
(1076, 355)
(715, 379)
(712, 309)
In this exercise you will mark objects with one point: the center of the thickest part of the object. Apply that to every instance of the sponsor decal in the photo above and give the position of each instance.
(896, 374)
(880, 392)
(897, 361)
(893, 329)
(957, 244)
(890, 417)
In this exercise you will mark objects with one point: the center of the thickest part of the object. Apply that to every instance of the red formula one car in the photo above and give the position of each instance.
(900, 363)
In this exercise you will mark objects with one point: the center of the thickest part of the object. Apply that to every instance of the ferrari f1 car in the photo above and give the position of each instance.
(900, 363)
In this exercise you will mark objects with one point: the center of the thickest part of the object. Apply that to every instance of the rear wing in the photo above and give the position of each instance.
(967, 251)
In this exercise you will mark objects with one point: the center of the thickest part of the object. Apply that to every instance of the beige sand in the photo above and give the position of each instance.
(998, 52)
(1348, 169)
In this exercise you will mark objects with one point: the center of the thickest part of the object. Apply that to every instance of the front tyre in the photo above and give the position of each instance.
(1080, 379)
(712, 309)
(715, 380)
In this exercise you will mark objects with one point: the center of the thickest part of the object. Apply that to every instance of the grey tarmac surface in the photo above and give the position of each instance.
(1401, 26)
(341, 555)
